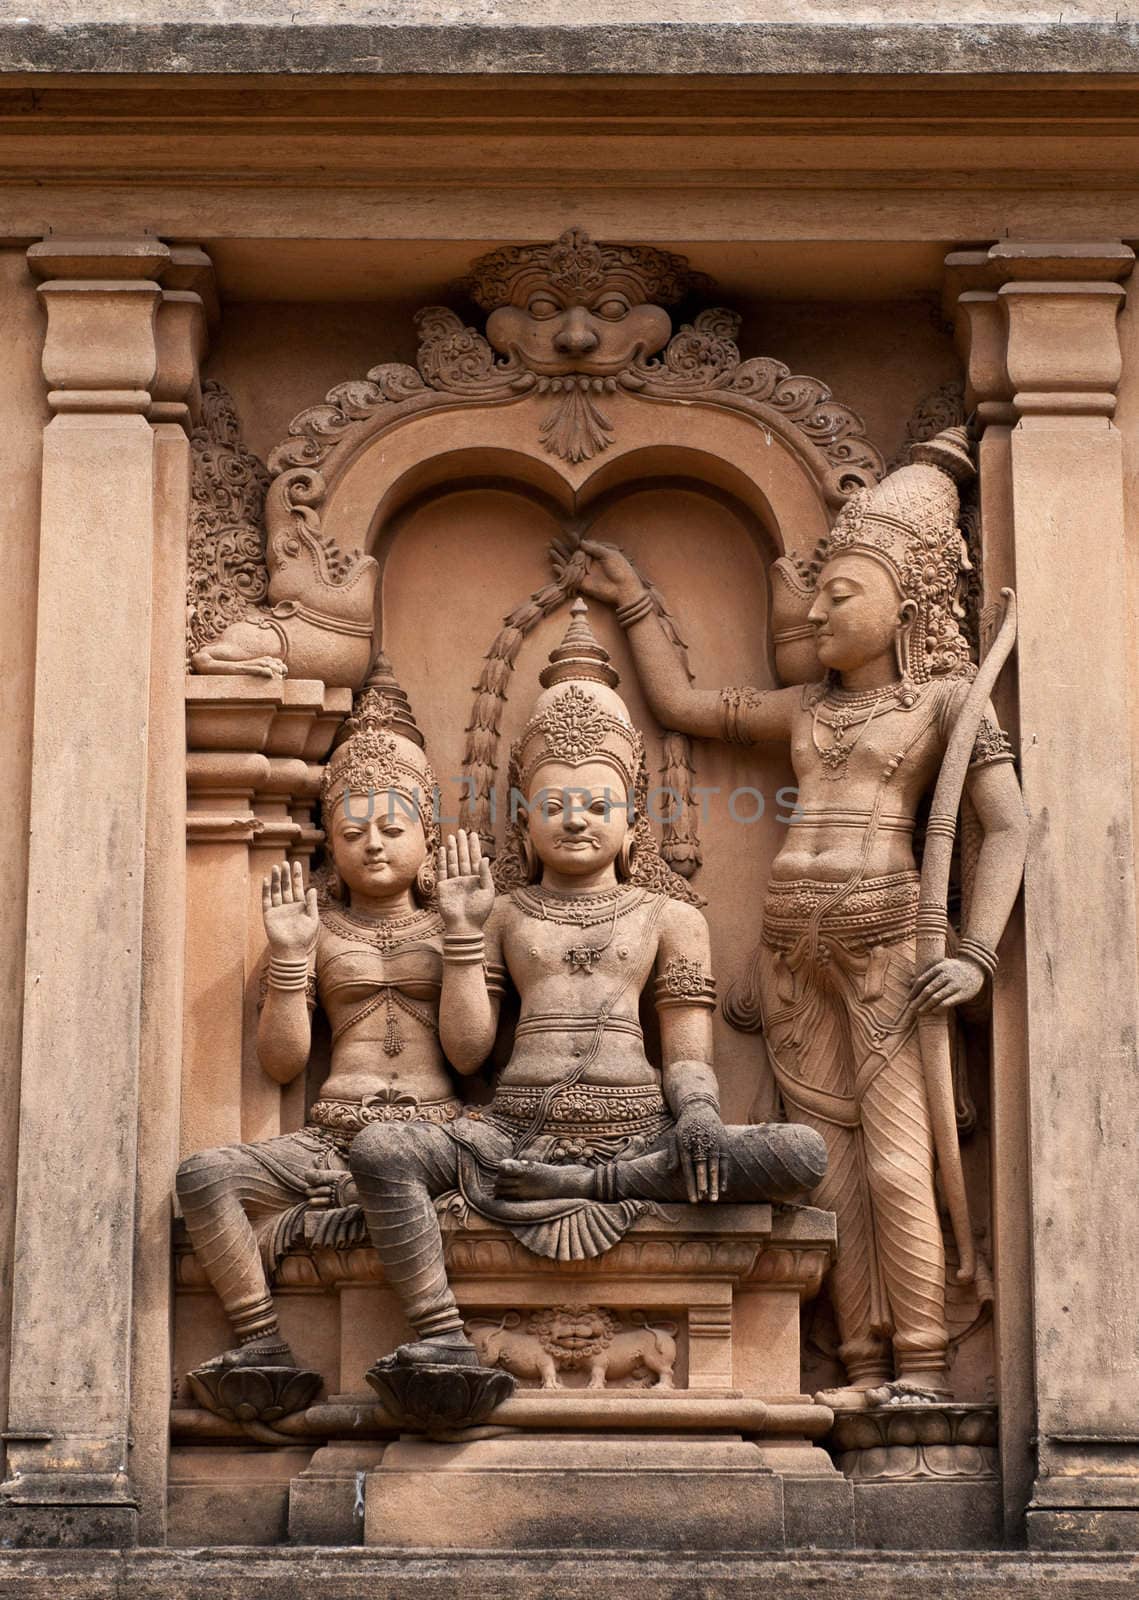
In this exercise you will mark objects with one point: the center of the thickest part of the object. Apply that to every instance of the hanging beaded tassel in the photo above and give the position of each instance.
(393, 1038)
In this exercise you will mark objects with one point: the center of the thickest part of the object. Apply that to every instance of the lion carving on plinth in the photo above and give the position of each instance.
(577, 1338)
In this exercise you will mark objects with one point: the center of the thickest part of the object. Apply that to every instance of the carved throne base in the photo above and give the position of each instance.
(658, 1393)
(658, 1403)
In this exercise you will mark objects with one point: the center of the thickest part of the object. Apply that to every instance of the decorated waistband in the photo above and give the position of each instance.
(554, 1022)
(584, 1109)
(348, 1117)
(877, 911)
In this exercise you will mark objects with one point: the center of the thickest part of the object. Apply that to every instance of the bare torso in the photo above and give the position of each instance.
(553, 984)
(826, 841)
(388, 980)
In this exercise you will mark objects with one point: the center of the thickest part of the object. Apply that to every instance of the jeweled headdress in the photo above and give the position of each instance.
(380, 754)
(579, 717)
(575, 265)
(909, 524)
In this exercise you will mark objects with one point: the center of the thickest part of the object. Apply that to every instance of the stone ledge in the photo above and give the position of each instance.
(681, 49)
(345, 1574)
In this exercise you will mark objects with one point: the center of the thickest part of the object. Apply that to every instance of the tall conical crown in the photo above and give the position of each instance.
(908, 523)
(579, 717)
(380, 754)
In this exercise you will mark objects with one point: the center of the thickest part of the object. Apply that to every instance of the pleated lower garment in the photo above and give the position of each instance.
(849, 1065)
(241, 1204)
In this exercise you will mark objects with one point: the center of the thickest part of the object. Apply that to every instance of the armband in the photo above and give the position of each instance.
(684, 983)
(735, 703)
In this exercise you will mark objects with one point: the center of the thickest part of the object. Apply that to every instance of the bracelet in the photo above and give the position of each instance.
(700, 1097)
(464, 949)
(974, 950)
(288, 972)
(633, 610)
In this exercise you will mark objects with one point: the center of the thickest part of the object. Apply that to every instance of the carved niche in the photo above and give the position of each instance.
(575, 325)
(576, 321)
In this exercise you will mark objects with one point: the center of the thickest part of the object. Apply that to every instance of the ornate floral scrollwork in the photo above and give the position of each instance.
(226, 570)
(574, 321)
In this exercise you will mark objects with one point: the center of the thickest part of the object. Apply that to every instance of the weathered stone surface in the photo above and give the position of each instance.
(347, 1574)
(102, 42)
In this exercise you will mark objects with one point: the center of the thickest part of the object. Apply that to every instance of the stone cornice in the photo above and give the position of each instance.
(639, 49)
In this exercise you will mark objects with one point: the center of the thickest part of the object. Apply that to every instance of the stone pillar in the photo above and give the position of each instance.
(1064, 496)
(253, 774)
(972, 279)
(69, 1474)
(182, 317)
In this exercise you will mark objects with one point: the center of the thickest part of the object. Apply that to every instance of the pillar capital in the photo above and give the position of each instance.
(127, 325)
(1062, 350)
(1035, 325)
(188, 310)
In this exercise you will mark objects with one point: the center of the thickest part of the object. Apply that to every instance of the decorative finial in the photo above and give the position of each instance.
(579, 655)
(948, 450)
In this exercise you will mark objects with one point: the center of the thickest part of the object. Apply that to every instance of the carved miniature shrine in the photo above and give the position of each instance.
(485, 1174)
(614, 950)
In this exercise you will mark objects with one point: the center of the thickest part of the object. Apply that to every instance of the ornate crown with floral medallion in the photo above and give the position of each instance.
(574, 264)
(579, 717)
(380, 754)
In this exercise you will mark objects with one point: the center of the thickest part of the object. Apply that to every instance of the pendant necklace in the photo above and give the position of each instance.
(835, 756)
(580, 910)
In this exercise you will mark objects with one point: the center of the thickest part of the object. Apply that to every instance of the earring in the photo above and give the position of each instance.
(425, 881)
(627, 858)
(905, 694)
(529, 859)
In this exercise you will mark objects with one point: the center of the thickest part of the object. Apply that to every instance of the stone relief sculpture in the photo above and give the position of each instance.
(680, 841)
(583, 1132)
(372, 956)
(851, 980)
(578, 1338)
(225, 569)
(294, 603)
(575, 320)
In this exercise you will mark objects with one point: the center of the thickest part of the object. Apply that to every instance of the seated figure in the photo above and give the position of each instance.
(583, 1131)
(372, 954)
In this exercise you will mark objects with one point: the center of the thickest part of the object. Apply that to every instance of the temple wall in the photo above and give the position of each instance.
(24, 413)
(929, 216)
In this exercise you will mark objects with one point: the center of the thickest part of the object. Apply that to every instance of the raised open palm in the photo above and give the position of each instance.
(292, 921)
(463, 884)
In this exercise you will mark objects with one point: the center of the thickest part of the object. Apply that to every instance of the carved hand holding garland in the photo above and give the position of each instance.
(575, 321)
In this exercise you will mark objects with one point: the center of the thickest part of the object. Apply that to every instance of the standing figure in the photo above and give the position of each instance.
(583, 1129)
(835, 977)
(373, 957)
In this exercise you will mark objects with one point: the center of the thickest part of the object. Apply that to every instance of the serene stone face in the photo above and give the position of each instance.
(856, 612)
(600, 332)
(577, 817)
(377, 846)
